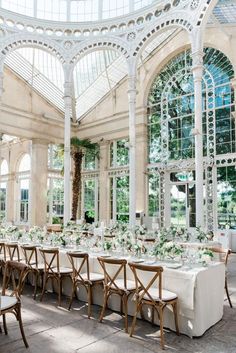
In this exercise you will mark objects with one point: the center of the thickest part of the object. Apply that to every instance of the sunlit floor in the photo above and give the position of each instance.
(50, 329)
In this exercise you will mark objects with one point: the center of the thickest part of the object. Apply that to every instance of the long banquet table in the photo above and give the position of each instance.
(200, 291)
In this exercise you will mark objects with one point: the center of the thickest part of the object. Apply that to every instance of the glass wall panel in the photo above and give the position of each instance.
(226, 197)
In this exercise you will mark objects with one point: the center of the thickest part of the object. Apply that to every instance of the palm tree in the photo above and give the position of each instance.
(79, 147)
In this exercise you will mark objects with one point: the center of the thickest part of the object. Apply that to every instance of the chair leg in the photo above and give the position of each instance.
(73, 293)
(125, 304)
(153, 314)
(161, 327)
(21, 326)
(89, 300)
(45, 279)
(59, 290)
(175, 311)
(104, 305)
(138, 307)
(36, 284)
(91, 295)
(5, 324)
(227, 293)
(121, 305)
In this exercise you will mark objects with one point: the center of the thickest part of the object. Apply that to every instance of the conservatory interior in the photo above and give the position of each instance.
(117, 176)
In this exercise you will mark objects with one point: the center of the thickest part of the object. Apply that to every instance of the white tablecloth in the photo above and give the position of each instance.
(200, 292)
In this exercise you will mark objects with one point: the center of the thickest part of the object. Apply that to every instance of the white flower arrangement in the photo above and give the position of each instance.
(205, 256)
(171, 249)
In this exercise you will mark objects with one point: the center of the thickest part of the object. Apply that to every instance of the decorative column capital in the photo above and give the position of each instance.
(38, 141)
(197, 67)
(103, 143)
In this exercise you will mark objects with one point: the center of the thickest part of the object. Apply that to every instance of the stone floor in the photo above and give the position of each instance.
(50, 329)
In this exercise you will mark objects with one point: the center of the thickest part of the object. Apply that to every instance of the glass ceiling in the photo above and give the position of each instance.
(225, 11)
(74, 10)
(97, 73)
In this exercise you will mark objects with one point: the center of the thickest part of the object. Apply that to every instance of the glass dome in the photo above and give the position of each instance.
(74, 10)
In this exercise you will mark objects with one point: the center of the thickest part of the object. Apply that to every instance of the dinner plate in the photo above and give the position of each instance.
(173, 266)
(151, 262)
(137, 261)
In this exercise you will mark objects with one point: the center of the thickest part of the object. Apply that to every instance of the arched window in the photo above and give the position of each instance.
(3, 189)
(171, 108)
(24, 187)
(55, 204)
(171, 142)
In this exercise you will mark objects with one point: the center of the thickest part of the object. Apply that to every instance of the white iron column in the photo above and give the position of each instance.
(67, 162)
(141, 163)
(197, 70)
(132, 142)
(104, 196)
(38, 186)
(11, 192)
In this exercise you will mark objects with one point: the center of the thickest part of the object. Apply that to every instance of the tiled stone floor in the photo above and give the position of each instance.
(50, 329)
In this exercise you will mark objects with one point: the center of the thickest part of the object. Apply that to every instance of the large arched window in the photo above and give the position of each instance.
(171, 107)
(171, 142)
(23, 188)
(3, 189)
(55, 204)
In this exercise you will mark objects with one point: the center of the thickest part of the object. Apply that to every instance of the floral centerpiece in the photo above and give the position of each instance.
(138, 248)
(201, 235)
(107, 246)
(140, 230)
(205, 256)
(123, 241)
(172, 250)
(183, 234)
(13, 232)
(36, 234)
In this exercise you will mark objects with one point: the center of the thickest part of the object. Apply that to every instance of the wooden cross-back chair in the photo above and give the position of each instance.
(2, 255)
(12, 251)
(115, 285)
(223, 257)
(31, 259)
(81, 275)
(12, 303)
(52, 270)
(152, 294)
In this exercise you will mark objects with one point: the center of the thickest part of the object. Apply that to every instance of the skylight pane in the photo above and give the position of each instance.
(138, 4)
(52, 10)
(84, 10)
(113, 8)
(24, 7)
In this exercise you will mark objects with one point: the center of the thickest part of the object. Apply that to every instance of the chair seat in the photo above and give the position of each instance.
(7, 302)
(39, 267)
(166, 295)
(62, 270)
(130, 285)
(93, 277)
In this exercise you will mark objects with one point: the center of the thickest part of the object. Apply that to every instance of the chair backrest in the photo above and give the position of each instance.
(15, 272)
(12, 250)
(3, 250)
(223, 254)
(30, 255)
(153, 280)
(51, 260)
(79, 263)
(113, 269)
